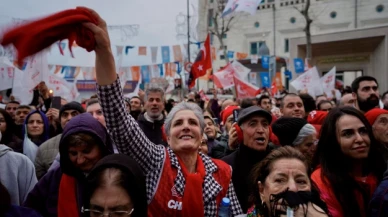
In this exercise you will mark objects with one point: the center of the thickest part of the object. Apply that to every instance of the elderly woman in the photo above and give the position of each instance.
(296, 132)
(180, 180)
(282, 180)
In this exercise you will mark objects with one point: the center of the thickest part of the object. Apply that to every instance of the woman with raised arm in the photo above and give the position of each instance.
(180, 181)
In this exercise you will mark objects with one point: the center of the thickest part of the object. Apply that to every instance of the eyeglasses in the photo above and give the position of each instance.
(97, 213)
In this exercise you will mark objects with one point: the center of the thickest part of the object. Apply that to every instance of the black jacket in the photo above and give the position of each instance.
(153, 131)
(242, 161)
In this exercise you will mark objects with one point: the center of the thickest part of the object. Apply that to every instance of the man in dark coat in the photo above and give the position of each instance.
(254, 123)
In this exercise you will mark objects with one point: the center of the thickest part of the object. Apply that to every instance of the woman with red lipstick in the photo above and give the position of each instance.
(349, 164)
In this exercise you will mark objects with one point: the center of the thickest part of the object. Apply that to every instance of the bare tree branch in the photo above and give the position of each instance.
(228, 24)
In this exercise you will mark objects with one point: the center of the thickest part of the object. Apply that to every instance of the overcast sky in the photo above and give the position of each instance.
(156, 18)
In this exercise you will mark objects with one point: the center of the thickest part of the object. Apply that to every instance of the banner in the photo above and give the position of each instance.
(135, 73)
(244, 89)
(154, 53)
(265, 62)
(230, 54)
(265, 81)
(253, 78)
(309, 81)
(241, 56)
(177, 53)
(214, 53)
(142, 51)
(61, 87)
(254, 59)
(299, 65)
(165, 54)
(328, 82)
(127, 49)
(6, 73)
(145, 74)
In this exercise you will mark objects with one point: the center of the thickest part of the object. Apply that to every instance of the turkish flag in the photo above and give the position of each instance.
(244, 89)
(201, 64)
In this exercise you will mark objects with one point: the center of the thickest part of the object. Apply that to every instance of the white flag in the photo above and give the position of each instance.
(309, 80)
(328, 82)
(6, 73)
(241, 71)
(61, 87)
(23, 87)
(249, 6)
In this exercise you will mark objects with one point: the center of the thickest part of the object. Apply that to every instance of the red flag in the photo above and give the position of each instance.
(244, 89)
(274, 88)
(201, 64)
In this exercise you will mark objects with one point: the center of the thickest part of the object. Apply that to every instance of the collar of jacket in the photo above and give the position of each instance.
(211, 188)
(149, 119)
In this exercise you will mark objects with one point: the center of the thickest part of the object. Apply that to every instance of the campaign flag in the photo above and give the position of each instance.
(177, 53)
(214, 53)
(230, 54)
(6, 73)
(265, 81)
(240, 70)
(201, 64)
(127, 49)
(244, 89)
(328, 82)
(165, 54)
(119, 50)
(154, 53)
(61, 87)
(309, 81)
(253, 78)
(249, 6)
(265, 62)
(299, 65)
(155, 71)
(241, 56)
(142, 51)
(161, 70)
(288, 74)
(168, 69)
(224, 77)
(135, 73)
(145, 74)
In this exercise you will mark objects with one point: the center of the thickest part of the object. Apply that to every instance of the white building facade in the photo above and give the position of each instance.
(349, 34)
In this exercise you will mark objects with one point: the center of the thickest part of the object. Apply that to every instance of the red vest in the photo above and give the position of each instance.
(168, 202)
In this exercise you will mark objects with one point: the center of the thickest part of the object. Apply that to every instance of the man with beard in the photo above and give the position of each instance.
(151, 122)
(365, 93)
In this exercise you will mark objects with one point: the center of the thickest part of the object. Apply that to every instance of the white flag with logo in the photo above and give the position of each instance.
(6, 73)
(61, 87)
(328, 82)
(309, 81)
(241, 71)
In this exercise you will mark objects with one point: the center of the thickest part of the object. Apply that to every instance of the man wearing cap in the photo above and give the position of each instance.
(378, 119)
(228, 141)
(254, 123)
(49, 149)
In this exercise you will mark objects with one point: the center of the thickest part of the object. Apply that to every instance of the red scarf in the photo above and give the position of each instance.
(35, 36)
(67, 198)
(192, 196)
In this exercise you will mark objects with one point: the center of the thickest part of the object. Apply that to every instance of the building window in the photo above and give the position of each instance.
(286, 45)
(292, 20)
(333, 14)
(224, 36)
(210, 17)
(254, 49)
(222, 57)
(257, 24)
(380, 8)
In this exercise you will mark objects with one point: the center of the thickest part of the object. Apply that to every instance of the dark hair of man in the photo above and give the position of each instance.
(263, 97)
(321, 103)
(336, 166)
(136, 97)
(384, 94)
(92, 102)
(247, 102)
(357, 81)
(308, 102)
(24, 107)
(288, 94)
(12, 102)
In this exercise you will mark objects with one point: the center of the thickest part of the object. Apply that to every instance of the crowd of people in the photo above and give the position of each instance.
(285, 155)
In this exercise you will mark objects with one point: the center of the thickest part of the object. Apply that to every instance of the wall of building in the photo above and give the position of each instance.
(355, 18)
